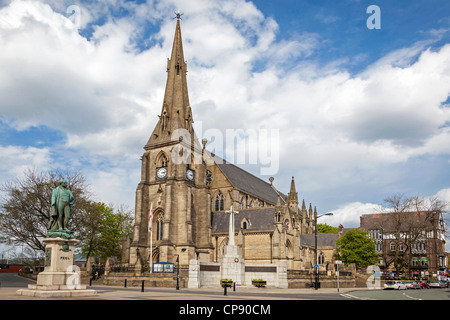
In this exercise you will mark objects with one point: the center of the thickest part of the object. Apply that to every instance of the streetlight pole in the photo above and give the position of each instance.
(316, 280)
(178, 269)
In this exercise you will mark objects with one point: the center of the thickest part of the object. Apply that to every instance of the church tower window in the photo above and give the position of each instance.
(161, 161)
(159, 227)
(219, 203)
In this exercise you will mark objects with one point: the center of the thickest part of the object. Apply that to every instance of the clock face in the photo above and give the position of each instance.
(161, 172)
(190, 174)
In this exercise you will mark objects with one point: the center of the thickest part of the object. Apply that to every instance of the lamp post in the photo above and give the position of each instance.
(178, 269)
(316, 280)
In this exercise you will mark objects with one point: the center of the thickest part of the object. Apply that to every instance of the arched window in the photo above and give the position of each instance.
(161, 160)
(159, 227)
(321, 258)
(219, 204)
(245, 223)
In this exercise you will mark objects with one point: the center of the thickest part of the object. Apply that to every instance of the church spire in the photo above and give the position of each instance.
(293, 195)
(176, 111)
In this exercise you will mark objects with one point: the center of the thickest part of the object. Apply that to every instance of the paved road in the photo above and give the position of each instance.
(11, 282)
(419, 294)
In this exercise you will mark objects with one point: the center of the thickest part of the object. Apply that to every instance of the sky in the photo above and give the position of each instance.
(357, 101)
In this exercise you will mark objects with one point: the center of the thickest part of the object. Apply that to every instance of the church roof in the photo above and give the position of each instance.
(323, 239)
(249, 183)
(258, 219)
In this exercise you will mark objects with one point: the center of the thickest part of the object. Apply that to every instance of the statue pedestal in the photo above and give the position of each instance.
(60, 278)
(232, 264)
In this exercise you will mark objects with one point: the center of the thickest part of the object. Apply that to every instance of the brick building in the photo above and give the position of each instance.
(410, 243)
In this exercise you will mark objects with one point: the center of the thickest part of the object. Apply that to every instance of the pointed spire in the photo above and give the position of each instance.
(278, 201)
(293, 195)
(176, 112)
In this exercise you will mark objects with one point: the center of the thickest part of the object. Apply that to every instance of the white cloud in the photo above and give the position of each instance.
(105, 93)
(114, 185)
(348, 215)
(15, 160)
(444, 195)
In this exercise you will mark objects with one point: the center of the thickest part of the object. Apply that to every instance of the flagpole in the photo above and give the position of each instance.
(150, 228)
(151, 251)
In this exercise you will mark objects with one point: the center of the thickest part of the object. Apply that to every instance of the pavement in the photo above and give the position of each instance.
(9, 284)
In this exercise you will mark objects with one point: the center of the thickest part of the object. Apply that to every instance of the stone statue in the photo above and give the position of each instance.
(62, 199)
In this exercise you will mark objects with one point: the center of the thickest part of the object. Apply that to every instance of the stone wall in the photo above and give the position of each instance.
(207, 274)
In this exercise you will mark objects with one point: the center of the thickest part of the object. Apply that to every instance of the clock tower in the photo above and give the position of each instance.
(173, 180)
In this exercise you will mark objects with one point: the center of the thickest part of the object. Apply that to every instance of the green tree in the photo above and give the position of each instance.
(325, 228)
(103, 233)
(356, 247)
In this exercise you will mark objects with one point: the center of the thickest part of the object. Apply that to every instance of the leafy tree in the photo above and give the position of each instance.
(90, 231)
(325, 228)
(103, 235)
(356, 247)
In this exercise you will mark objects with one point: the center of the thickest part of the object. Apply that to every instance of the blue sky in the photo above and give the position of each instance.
(361, 114)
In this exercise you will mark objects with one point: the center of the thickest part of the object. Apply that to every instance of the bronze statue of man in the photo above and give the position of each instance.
(62, 199)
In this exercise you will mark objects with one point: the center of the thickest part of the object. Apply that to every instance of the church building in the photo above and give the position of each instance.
(189, 191)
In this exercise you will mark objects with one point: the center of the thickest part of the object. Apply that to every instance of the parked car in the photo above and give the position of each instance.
(394, 284)
(437, 284)
(415, 285)
(412, 284)
(424, 285)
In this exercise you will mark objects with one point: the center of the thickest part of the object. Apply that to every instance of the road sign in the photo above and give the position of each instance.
(315, 266)
(337, 261)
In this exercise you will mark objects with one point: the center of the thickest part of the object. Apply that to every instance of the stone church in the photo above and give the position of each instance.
(190, 190)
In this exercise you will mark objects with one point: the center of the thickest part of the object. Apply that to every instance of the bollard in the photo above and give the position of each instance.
(90, 282)
(142, 289)
(225, 290)
(125, 283)
(234, 286)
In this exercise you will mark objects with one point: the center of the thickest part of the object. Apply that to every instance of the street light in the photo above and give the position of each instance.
(178, 269)
(316, 280)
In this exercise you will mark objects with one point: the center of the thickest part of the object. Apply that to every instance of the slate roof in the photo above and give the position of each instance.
(391, 222)
(258, 218)
(323, 239)
(249, 183)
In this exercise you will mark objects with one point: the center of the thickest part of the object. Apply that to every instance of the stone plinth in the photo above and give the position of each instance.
(60, 278)
(232, 264)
